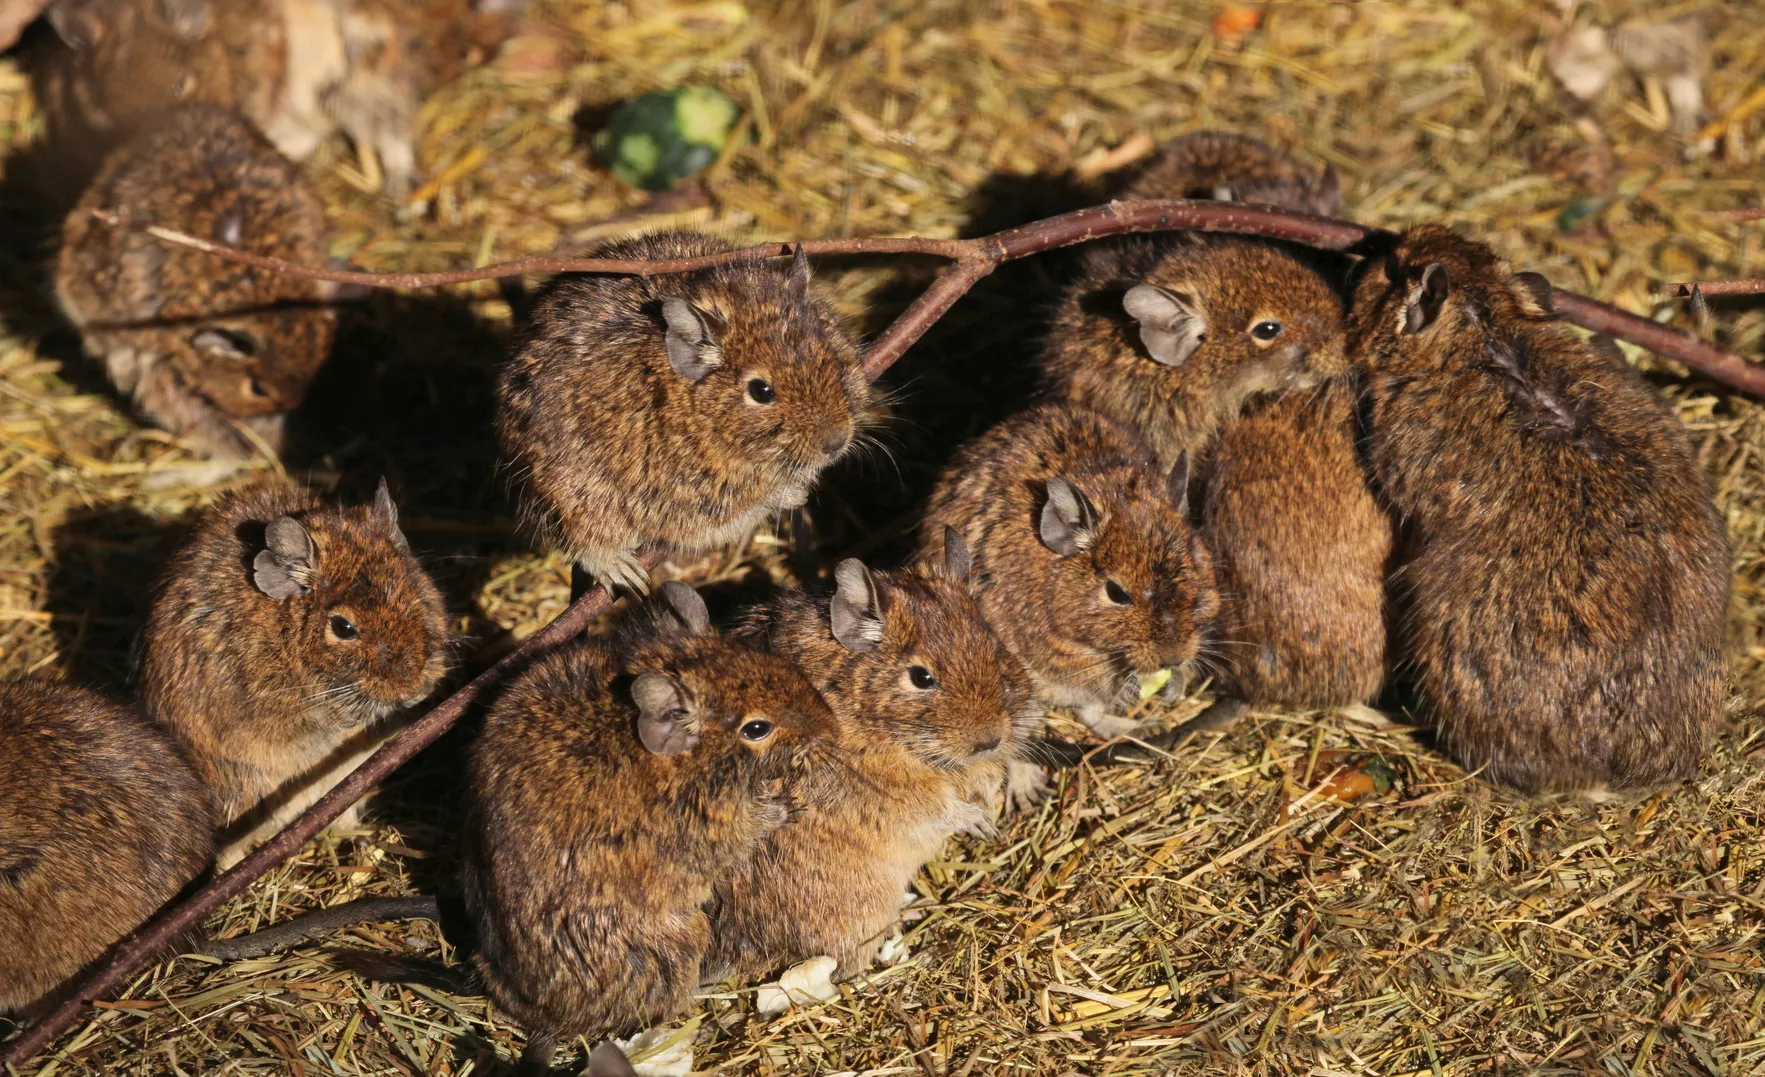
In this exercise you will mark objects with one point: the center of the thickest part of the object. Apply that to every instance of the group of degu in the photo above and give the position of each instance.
(1391, 474)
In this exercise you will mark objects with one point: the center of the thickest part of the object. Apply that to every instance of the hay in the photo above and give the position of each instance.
(1220, 912)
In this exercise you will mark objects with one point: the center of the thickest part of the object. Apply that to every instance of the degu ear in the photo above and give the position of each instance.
(692, 350)
(607, 1060)
(80, 24)
(1426, 299)
(798, 282)
(667, 723)
(284, 567)
(1326, 194)
(686, 607)
(957, 562)
(1533, 291)
(189, 18)
(386, 515)
(1177, 484)
(856, 609)
(1069, 520)
(1171, 325)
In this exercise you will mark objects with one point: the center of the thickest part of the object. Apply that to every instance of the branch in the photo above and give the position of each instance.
(1715, 363)
(973, 258)
(976, 258)
(1716, 287)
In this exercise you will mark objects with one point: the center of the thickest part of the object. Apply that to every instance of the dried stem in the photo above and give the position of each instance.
(1717, 287)
(973, 258)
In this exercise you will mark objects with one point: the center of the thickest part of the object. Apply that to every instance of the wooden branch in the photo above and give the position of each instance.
(977, 257)
(1716, 287)
(973, 258)
(1715, 363)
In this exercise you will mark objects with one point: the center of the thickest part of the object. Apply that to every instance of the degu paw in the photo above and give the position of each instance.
(803, 984)
(616, 569)
(1026, 785)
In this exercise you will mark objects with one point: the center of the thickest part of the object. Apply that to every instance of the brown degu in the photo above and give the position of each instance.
(1301, 545)
(608, 794)
(682, 409)
(1564, 576)
(1171, 336)
(213, 351)
(283, 636)
(299, 70)
(1084, 560)
(102, 821)
(931, 711)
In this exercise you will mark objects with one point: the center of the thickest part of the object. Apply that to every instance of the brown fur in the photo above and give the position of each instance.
(591, 860)
(1082, 648)
(1234, 168)
(1303, 547)
(1303, 550)
(197, 343)
(616, 448)
(912, 767)
(102, 821)
(1096, 354)
(1565, 575)
(274, 707)
(129, 62)
(299, 70)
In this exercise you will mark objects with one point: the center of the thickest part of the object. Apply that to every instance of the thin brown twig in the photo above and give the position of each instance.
(974, 259)
(977, 257)
(1683, 290)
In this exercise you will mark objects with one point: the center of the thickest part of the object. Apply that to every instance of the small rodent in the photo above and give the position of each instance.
(128, 62)
(299, 70)
(1563, 575)
(1301, 545)
(682, 409)
(102, 821)
(1171, 336)
(203, 347)
(1084, 560)
(608, 794)
(1231, 167)
(283, 636)
(931, 710)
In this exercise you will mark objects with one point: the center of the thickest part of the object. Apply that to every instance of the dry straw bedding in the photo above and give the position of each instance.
(1220, 912)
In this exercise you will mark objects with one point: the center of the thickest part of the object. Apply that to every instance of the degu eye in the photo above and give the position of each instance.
(1117, 594)
(755, 729)
(255, 389)
(921, 678)
(1266, 331)
(760, 391)
(342, 628)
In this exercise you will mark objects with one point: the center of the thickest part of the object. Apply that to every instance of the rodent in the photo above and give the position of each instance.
(608, 793)
(1085, 562)
(284, 634)
(299, 70)
(1564, 575)
(202, 346)
(1172, 336)
(1231, 167)
(931, 710)
(1301, 545)
(682, 409)
(102, 821)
